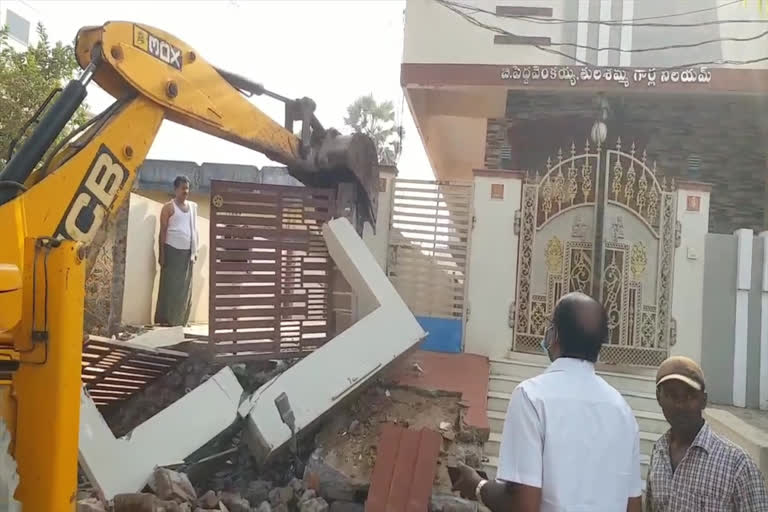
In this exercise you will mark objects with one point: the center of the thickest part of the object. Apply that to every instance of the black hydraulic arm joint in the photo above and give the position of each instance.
(50, 126)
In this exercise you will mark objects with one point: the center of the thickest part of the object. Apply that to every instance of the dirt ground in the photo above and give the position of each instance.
(348, 442)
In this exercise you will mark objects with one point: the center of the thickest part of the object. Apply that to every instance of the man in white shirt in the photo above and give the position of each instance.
(177, 251)
(570, 440)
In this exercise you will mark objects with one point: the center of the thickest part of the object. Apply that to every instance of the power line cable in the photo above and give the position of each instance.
(560, 21)
(500, 30)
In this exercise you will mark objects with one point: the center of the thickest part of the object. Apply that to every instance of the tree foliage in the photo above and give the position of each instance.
(26, 80)
(377, 120)
(762, 5)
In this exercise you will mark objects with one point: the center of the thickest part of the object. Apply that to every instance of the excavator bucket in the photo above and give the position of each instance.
(346, 158)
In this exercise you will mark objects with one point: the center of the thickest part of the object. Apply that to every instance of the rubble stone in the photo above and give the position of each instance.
(450, 503)
(234, 502)
(471, 456)
(309, 494)
(172, 485)
(281, 508)
(217, 508)
(297, 486)
(330, 483)
(208, 500)
(145, 503)
(258, 491)
(346, 506)
(264, 507)
(90, 505)
(314, 505)
(280, 495)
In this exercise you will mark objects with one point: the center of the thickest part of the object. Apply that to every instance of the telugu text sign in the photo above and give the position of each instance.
(647, 77)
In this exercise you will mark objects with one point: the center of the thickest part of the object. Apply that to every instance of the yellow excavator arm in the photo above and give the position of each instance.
(56, 208)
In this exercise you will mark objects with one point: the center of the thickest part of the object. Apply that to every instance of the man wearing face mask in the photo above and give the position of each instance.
(570, 440)
(693, 468)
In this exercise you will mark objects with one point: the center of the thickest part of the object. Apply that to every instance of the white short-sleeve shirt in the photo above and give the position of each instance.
(570, 433)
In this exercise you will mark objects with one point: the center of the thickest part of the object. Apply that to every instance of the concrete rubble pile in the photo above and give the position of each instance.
(330, 472)
(172, 491)
(207, 436)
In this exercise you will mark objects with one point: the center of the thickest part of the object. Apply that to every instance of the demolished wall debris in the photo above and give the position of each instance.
(323, 379)
(124, 465)
(219, 462)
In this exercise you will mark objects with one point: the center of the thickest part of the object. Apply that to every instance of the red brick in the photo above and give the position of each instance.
(405, 469)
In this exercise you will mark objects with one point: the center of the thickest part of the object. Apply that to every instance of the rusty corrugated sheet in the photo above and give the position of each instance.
(269, 269)
(406, 463)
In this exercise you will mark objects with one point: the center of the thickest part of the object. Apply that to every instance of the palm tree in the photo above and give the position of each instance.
(377, 120)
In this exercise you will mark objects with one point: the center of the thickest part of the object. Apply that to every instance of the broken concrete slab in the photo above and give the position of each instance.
(125, 465)
(346, 362)
(160, 337)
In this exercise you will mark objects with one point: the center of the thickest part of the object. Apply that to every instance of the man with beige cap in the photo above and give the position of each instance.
(693, 468)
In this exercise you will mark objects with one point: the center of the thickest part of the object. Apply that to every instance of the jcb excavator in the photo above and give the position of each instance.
(51, 210)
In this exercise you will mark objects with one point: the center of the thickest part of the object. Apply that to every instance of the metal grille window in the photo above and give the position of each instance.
(428, 246)
(18, 27)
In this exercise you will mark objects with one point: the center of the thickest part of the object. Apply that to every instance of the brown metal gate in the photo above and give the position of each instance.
(269, 269)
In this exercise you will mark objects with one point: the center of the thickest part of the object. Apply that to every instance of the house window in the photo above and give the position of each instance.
(382, 184)
(18, 27)
(694, 167)
(497, 191)
(505, 157)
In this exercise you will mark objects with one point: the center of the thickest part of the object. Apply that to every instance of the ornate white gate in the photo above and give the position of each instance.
(603, 223)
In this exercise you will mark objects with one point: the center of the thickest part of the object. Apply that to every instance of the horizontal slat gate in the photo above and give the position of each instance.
(114, 370)
(270, 270)
(429, 244)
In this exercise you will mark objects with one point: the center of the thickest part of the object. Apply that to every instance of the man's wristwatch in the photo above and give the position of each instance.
(478, 491)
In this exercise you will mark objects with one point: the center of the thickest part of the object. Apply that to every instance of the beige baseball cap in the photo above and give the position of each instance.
(683, 369)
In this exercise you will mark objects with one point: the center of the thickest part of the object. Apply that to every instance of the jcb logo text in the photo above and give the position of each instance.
(85, 215)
